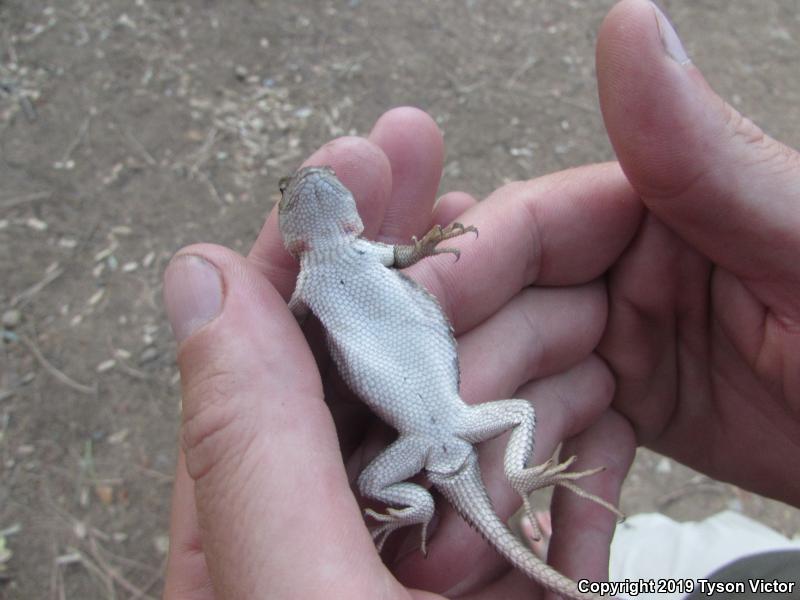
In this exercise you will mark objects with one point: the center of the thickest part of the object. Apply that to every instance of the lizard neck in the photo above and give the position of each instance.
(328, 250)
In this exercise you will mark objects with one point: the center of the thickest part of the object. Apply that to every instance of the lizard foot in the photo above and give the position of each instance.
(427, 245)
(395, 518)
(550, 473)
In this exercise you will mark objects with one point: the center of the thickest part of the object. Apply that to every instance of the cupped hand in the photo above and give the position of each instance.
(272, 440)
(704, 319)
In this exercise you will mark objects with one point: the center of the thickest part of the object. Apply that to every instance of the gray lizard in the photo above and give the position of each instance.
(395, 348)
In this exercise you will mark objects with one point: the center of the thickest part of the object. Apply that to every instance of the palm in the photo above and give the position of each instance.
(698, 359)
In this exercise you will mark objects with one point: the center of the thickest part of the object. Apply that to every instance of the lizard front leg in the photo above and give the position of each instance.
(407, 255)
(488, 420)
(384, 479)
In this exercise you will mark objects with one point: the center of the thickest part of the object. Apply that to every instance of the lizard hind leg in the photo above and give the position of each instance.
(488, 420)
(384, 479)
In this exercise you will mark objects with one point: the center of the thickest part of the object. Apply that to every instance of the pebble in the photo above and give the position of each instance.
(161, 543)
(106, 365)
(36, 224)
(11, 318)
(96, 297)
(148, 355)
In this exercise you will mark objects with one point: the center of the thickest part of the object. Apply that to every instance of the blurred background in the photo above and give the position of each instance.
(131, 128)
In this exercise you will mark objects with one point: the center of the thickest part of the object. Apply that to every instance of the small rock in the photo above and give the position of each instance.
(11, 318)
(119, 436)
(25, 449)
(240, 72)
(36, 224)
(105, 493)
(148, 355)
(121, 230)
(80, 530)
(106, 365)
(96, 297)
(161, 543)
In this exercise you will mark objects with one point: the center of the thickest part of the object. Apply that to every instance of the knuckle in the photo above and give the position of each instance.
(215, 429)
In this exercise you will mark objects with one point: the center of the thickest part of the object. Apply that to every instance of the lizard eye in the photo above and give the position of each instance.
(283, 183)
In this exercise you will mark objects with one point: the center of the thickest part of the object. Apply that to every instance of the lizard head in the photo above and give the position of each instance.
(316, 210)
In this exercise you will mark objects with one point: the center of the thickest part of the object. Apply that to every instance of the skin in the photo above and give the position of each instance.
(665, 312)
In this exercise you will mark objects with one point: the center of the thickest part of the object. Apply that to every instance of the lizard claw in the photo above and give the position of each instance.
(394, 519)
(427, 245)
(462, 230)
(550, 473)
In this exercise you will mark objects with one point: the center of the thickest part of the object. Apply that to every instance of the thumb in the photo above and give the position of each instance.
(710, 174)
(271, 492)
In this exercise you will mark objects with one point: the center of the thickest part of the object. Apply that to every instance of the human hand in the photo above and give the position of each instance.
(262, 500)
(704, 318)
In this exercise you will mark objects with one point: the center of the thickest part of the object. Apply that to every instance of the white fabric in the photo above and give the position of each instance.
(652, 546)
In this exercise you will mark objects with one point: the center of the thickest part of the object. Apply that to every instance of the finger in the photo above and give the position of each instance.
(187, 575)
(540, 332)
(564, 228)
(705, 170)
(642, 337)
(413, 143)
(582, 529)
(364, 169)
(271, 492)
(565, 404)
(451, 206)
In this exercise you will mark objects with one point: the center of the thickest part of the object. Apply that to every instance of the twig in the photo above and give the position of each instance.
(521, 70)
(693, 487)
(12, 202)
(135, 373)
(22, 297)
(112, 572)
(199, 157)
(59, 375)
(105, 578)
(203, 153)
(130, 562)
(57, 578)
(147, 586)
(11, 530)
(82, 130)
(210, 185)
(158, 475)
(27, 107)
(139, 147)
(578, 104)
(10, 49)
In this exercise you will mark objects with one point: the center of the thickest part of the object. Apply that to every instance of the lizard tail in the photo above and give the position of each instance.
(467, 493)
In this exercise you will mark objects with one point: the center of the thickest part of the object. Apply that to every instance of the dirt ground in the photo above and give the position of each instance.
(128, 129)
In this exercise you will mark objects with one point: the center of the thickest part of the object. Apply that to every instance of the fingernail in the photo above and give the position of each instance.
(192, 294)
(669, 38)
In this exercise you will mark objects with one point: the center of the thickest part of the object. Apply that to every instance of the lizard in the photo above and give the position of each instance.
(395, 348)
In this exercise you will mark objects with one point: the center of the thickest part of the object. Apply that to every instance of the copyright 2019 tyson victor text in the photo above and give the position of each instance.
(634, 587)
